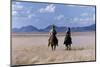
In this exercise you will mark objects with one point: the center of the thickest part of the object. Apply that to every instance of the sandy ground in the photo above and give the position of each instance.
(33, 49)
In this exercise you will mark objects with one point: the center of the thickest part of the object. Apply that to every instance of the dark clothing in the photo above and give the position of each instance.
(68, 40)
(54, 32)
(68, 33)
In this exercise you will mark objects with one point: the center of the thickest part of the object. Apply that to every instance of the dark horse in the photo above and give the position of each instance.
(53, 41)
(68, 40)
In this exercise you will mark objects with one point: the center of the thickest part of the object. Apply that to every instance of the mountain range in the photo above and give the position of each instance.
(31, 28)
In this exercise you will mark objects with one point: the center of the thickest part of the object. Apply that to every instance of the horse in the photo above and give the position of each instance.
(68, 42)
(53, 41)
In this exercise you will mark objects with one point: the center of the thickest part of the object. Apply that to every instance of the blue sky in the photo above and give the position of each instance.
(40, 15)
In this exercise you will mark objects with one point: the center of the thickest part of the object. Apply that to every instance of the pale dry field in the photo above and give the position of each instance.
(33, 48)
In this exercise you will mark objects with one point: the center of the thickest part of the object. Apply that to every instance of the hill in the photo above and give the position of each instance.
(31, 28)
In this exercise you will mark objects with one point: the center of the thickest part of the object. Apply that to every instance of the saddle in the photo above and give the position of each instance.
(53, 39)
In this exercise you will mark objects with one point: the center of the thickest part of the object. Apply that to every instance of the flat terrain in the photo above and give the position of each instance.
(33, 49)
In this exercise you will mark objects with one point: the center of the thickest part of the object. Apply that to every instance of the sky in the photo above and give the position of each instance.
(41, 15)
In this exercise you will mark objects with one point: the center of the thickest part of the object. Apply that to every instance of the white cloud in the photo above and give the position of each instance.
(17, 3)
(14, 13)
(70, 5)
(84, 14)
(59, 17)
(73, 5)
(17, 6)
(75, 19)
(83, 20)
(88, 17)
(31, 15)
(50, 8)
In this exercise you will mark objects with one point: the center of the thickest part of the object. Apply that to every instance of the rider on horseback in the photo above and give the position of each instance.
(68, 39)
(53, 31)
(53, 39)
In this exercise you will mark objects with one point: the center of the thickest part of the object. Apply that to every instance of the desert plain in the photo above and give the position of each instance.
(32, 48)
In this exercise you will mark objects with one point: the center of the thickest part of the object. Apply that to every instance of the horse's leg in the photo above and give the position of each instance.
(52, 47)
(69, 46)
(48, 44)
(66, 46)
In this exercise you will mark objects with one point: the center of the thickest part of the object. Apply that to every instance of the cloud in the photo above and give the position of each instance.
(80, 20)
(70, 5)
(31, 15)
(85, 14)
(14, 13)
(75, 19)
(17, 6)
(59, 17)
(20, 11)
(17, 3)
(84, 19)
(73, 5)
(90, 16)
(48, 9)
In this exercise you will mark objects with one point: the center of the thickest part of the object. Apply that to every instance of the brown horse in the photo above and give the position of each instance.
(53, 42)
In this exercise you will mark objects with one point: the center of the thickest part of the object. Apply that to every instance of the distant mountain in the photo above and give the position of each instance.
(15, 30)
(59, 29)
(86, 28)
(31, 28)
